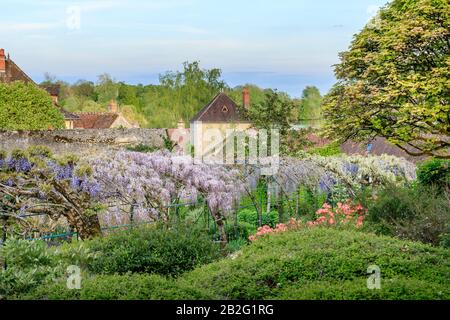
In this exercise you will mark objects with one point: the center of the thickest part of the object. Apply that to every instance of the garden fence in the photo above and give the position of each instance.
(264, 200)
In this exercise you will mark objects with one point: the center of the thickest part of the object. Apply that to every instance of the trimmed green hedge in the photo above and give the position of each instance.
(272, 266)
(319, 263)
(119, 287)
(153, 249)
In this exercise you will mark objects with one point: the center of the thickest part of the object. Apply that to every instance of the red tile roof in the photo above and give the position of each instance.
(95, 120)
(14, 73)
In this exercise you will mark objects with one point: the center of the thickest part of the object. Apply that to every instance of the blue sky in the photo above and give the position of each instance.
(283, 44)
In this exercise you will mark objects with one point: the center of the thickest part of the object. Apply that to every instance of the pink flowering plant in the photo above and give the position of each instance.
(346, 214)
(281, 227)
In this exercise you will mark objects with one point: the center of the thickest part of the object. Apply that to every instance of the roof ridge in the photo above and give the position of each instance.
(211, 103)
(96, 113)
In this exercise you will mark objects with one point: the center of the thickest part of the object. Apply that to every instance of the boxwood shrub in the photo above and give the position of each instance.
(153, 249)
(284, 265)
(119, 287)
(318, 263)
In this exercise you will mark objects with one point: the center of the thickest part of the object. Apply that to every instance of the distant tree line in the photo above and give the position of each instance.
(179, 95)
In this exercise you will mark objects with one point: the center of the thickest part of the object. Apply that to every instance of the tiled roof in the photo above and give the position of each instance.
(52, 89)
(379, 146)
(68, 115)
(221, 109)
(95, 120)
(13, 73)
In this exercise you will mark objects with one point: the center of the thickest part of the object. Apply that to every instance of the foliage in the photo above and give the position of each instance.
(169, 144)
(251, 216)
(310, 257)
(393, 81)
(419, 214)
(331, 149)
(434, 172)
(257, 95)
(310, 104)
(28, 263)
(27, 107)
(142, 148)
(273, 113)
(153, 249)
(120, 287)
(308, 263)
(106, 89)
(179, 95)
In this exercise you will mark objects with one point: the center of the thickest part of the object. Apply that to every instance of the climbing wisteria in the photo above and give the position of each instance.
(35, 184)
(122, 187)
(143, 186)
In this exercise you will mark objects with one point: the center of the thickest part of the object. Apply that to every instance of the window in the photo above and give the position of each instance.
(224, 109)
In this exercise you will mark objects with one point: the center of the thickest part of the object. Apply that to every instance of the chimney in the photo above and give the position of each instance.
(113, 106)
(2, 61)
(246, 98)
(180, 124)
(54, 98)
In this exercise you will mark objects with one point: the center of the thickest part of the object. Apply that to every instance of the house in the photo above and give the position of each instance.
(214, 122)
(10, 72)
(103, 120)
(180, 136)
(54, 91)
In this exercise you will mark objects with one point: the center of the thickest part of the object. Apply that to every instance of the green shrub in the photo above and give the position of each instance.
(251, 217)
(391, 289)
(445, 238)
(329, 150)
(283, 265)
(118, 287)
(153, 249)
(419, 214)
(239, 231)
(142, 148)
(27, 107)
(310, 263)
(434, 172)
(28, 264)
(310, 201)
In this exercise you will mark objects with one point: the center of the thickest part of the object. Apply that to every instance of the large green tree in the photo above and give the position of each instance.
(310, 104)
(27, 107)
(107, 89)
(394, 81)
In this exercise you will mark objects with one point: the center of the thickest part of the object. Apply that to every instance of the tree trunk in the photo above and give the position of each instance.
(221, 227)
(87, 227)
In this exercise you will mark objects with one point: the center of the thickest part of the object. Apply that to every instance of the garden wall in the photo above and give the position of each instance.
(82, 141)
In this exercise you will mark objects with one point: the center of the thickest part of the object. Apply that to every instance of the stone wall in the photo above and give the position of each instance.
(83, 141)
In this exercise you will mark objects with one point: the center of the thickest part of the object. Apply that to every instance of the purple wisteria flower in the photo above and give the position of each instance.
(19, 165)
